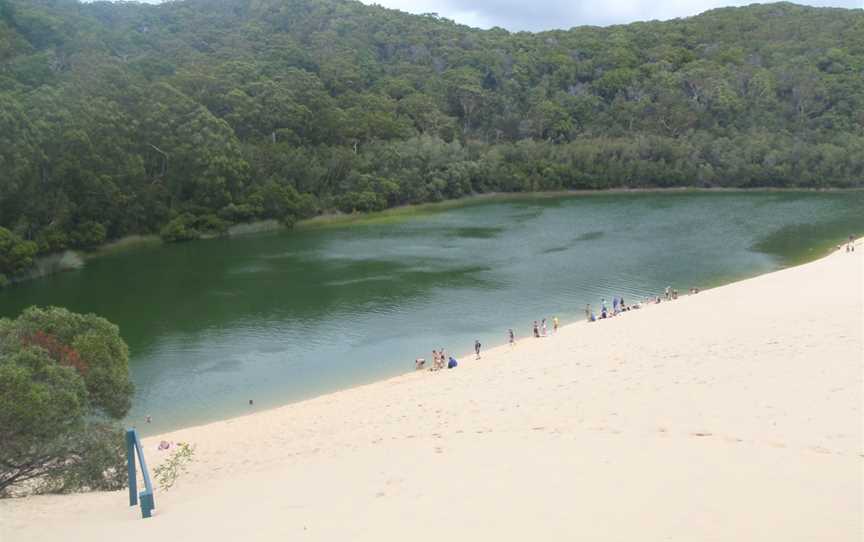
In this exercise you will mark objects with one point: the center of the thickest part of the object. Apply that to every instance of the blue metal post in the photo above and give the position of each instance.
(146, 504)
(130, 462)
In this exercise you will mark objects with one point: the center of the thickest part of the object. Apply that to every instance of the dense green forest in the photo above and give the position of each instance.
(186, 117)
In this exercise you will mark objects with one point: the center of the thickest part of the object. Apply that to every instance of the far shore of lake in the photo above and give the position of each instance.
(58, 262)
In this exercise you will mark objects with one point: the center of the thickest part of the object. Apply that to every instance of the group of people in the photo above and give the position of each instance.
(540, 329)
(618, 306)
(439, 361)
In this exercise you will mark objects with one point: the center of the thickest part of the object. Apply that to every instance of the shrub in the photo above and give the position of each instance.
(16, 255)
(180, 229)
(64, 383)
(169, 470)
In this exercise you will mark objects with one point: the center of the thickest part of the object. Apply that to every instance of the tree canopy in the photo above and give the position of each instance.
(188, 116)
(64, 378)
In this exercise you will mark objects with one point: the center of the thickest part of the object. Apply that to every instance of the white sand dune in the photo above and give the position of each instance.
(734, 414)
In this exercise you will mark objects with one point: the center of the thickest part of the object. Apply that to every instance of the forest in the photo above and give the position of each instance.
(189, 116)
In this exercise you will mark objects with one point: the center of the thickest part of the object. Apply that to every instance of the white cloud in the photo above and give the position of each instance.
(551, 14)
(548, 14)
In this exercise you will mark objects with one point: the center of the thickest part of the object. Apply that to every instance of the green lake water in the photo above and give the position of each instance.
(283, 316)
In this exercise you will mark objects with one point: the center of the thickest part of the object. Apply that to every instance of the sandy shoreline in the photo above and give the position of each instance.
(732, 414)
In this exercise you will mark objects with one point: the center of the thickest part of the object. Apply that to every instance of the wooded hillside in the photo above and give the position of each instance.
(185, 117)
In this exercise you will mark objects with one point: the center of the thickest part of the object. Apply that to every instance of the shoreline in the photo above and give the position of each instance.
(496, 347)
(469, 355)
(664, 416)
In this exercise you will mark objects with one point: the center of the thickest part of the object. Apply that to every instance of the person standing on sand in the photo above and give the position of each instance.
(543, 327)
(536, 330)
(477, 348)
(555, 324)
(588, 312)
(511, 337)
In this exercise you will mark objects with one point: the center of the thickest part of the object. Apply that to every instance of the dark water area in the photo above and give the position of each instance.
(283, 316)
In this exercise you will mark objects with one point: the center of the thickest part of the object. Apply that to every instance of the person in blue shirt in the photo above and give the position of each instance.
(452, 363)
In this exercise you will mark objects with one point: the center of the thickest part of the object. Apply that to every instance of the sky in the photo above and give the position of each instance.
(551, 14)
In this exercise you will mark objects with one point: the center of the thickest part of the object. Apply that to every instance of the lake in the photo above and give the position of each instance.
(282, 316)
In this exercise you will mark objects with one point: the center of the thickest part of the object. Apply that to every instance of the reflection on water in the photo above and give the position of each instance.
(283, 316)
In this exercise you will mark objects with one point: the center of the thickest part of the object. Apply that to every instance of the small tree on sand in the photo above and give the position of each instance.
(64, 383)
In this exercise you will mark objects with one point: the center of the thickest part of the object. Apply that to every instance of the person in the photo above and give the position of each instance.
(543, 327)
(536, 330)
(452, 363)
(588, 312)
(615, 305)
(592, 317)
(603, 313)
(434, 360)
(251, 402)
(511, 337)
(419, 363)
(148, 419)
(603, 304)
(555, 324)
(477, 347)
(164, 445)
(443, 358)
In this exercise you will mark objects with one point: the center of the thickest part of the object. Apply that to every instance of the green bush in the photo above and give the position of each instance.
(180, 228)
(89, 235)
(64, 384)
(16, 255)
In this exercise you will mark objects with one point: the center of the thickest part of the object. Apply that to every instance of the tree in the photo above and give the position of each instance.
(64, 382)
(16, 255)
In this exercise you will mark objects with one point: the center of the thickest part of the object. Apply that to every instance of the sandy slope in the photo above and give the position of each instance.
(735, 414)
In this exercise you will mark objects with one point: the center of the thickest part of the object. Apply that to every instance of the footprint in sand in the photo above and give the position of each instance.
(701, 434)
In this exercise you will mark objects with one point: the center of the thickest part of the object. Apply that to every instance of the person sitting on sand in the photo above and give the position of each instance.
(452, 363)
(603, 314)
(419, 363)
(592, 317)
